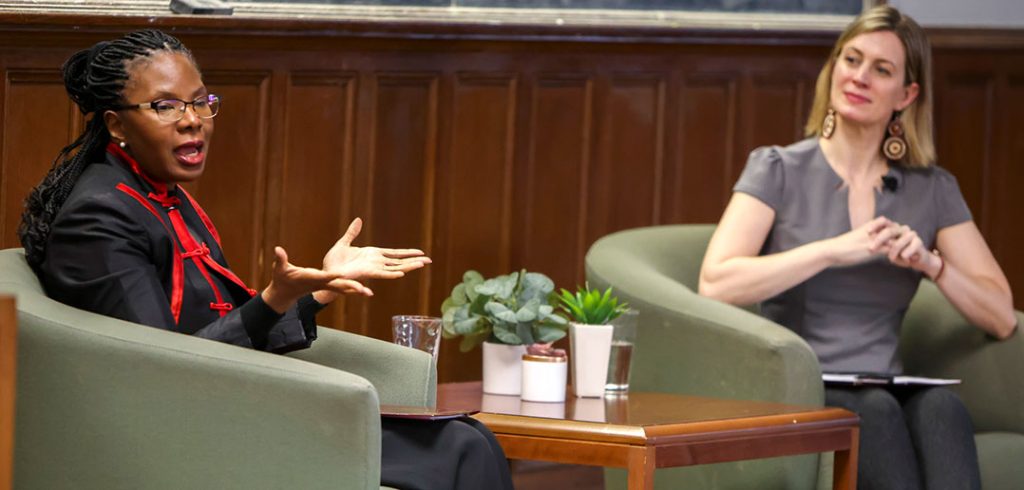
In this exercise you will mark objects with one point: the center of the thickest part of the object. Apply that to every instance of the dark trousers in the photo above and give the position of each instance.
(456, 454)
(911, 438)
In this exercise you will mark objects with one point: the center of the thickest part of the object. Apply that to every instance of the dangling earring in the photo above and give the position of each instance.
(828, 126)
(895, 146)
(123, 145)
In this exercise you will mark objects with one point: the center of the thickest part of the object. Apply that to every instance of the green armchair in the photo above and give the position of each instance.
(694, 345)
(103, 403)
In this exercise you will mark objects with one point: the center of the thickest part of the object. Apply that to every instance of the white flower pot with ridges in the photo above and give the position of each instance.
(503, 368)
(591, 348)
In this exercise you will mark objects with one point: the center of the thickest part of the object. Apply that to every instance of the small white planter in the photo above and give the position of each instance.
(503, 368)
(544, 379)
(591, 348)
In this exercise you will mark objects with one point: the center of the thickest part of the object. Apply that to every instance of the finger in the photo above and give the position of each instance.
(903, 242)
(280, 259)
(352, 232)
(913, 251)
(348, 286)
(408, 266)
(407, 260)
(386, 274)
(877, 224)
(899, 246)
(882, 239)
(402, 253)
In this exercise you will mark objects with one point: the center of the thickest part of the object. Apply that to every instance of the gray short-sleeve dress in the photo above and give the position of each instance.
(849, 315)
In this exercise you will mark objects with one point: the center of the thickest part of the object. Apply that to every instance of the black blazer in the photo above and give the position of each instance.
(124, 246)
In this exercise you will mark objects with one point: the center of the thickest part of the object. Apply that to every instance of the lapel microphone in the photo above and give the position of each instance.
(890, 183)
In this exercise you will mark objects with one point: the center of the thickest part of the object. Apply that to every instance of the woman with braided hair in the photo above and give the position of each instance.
(109, 230)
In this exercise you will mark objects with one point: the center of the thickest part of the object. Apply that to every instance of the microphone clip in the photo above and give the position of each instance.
(890, 183)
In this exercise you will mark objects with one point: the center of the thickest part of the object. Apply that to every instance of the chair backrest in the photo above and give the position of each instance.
(677, 251)
(16, 272)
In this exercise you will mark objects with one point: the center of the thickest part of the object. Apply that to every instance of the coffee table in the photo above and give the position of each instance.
(644, 431)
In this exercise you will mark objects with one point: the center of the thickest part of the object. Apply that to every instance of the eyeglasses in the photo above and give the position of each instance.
(172, 110)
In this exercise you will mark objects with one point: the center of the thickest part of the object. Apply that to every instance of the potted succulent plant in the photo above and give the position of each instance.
(590, 336)
(505, 314)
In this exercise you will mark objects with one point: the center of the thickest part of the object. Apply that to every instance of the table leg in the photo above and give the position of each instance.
(844, 470)
(641, 468)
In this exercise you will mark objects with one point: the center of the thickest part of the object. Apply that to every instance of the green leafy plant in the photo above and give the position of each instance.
(590, 306)
(514, 309)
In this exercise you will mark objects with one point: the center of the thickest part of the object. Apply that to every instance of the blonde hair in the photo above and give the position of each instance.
(917, 117)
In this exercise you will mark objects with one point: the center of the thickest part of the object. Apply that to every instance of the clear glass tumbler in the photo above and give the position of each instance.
(418, 332)
(623, 339)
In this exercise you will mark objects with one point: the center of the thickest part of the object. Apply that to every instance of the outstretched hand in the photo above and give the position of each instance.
(359, 263)
(291, 282)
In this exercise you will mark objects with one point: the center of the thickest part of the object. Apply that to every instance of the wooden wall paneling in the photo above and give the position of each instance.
(232, 189)
(474, 194)
(401, 199)
(1006, 232)
(39, 120)
(363, 160)
(557, 176)
(776, 113)
(707, 136)
(627, 178)
(476, 180)
(963, 135)
(315, 181)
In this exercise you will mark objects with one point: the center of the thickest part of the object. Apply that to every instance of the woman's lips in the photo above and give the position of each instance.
(856, 99)
(190, 154)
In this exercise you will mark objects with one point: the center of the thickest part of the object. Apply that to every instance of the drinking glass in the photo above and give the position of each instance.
(623, 338)
(418, 332)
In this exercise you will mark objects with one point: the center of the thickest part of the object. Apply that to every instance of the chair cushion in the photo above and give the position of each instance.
(1001, 455)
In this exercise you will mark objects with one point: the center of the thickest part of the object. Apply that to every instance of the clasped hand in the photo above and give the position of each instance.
(882, 236)
(344, 267)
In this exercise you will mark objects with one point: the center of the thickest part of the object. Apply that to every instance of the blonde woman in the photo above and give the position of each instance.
(833, 234)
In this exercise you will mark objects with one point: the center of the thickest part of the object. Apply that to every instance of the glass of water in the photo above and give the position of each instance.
(623, 339)
(418, 332)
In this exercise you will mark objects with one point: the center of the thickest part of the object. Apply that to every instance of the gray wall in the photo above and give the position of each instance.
(964, 13)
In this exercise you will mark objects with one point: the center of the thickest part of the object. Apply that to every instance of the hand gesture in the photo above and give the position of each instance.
(905, 248)
(859, 244)
(358, 263)
(291, 282)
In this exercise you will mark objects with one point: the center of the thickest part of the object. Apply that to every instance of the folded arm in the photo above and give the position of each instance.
(734, 273)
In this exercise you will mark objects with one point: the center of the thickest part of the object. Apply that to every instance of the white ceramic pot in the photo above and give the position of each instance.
(591, 347)
(503, 368)
(544, 379)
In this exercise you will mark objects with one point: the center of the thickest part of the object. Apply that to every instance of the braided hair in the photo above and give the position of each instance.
(94, 79)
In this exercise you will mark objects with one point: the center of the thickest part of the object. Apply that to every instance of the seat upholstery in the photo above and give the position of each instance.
(690, 344)
(103, 403)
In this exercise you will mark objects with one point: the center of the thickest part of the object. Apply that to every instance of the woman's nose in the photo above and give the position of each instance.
(190, 118)
(863, 75)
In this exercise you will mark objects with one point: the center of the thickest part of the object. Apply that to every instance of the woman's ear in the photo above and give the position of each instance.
(114, 125)
(909, 96)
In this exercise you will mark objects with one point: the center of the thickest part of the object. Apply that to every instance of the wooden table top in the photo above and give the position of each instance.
(635, 418)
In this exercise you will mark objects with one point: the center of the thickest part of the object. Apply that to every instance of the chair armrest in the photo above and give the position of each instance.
(104, 403)
(938, 341)
(402, 376)
(687, 343)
